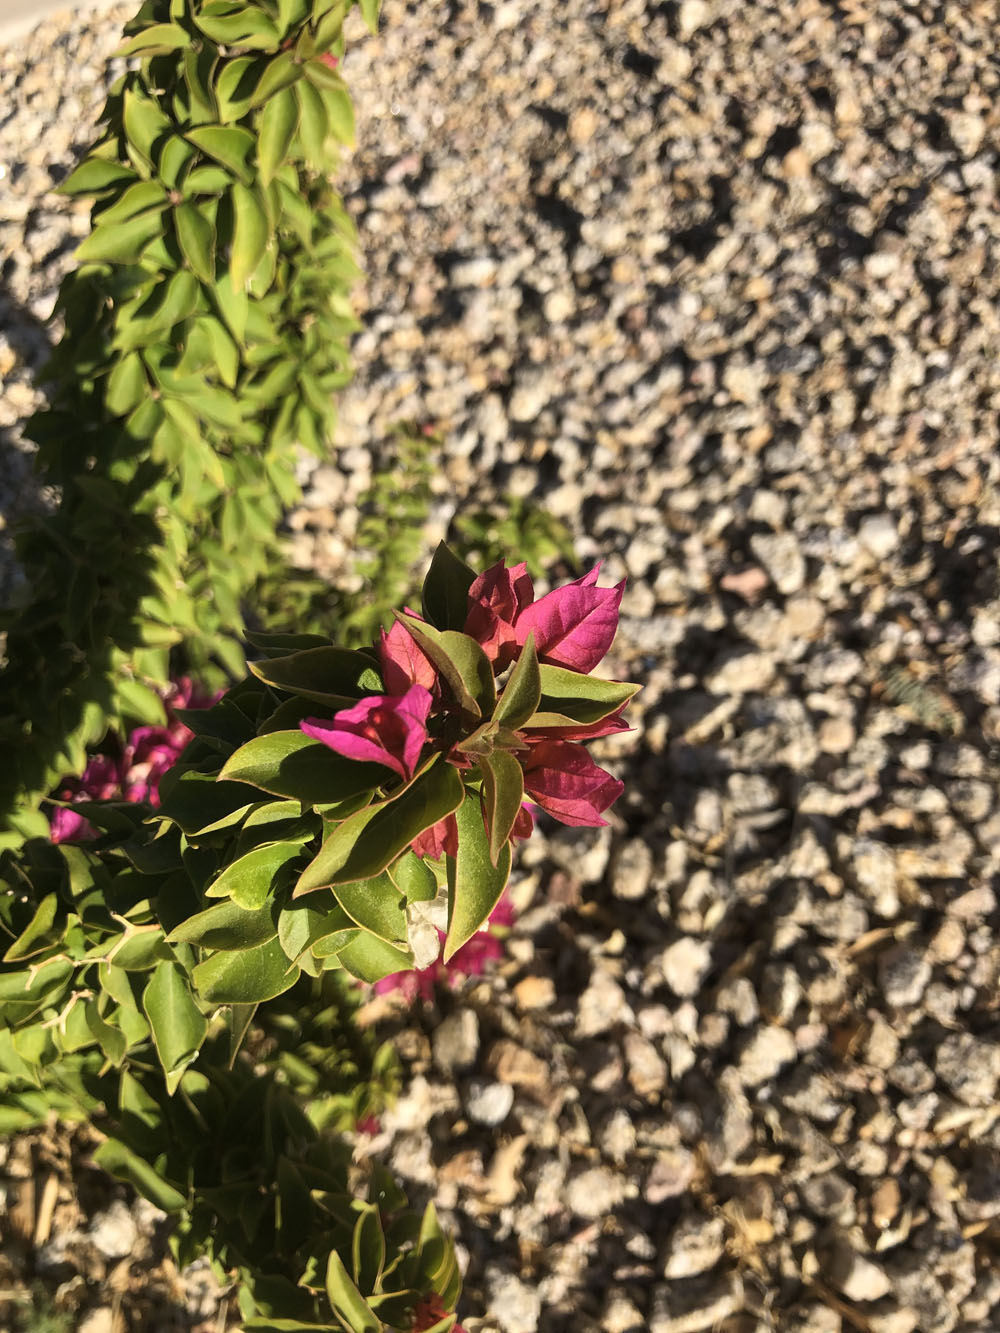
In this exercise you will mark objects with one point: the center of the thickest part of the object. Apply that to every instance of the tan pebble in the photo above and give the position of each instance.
(534, 993)
(836, 735)
(583, 124)
(795, 165)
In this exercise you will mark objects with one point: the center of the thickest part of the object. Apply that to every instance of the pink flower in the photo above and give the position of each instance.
(330, 61)
(496, 599)
(100, 781)
(404, 663)
(381, 729)
(567, 784)
(65, 825)
(149, 753)
(573, 625)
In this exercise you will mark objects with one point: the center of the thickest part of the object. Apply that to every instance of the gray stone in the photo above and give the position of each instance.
(685, 964)
(456, 1040)
(489, 1103)
(596, 1192)
(903, 973)
(781, 556)
(970, 1067)
(767, 1052)
(631, 869)
(114, 1231)
(695, 1245)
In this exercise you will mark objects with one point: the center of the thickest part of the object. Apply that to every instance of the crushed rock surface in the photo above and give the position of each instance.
(718, 285)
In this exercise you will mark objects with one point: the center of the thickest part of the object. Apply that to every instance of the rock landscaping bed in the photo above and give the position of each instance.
(718, 285)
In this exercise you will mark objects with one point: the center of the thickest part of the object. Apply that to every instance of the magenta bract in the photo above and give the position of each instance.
(574, 625)
(381, 729)
(404, 662)
(496, 599)
(567, 784)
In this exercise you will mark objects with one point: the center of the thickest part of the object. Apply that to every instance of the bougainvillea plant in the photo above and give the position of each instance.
(418, 759)
(336, 811)
(133, 772)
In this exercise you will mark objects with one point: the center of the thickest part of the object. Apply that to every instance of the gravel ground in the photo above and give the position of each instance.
(717, 284)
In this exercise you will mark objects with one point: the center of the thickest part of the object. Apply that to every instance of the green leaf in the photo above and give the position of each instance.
(127, 384)
(371, 959)
(460, 661)
(336, 677)
(195, 801)
(224, 351)
(292, 764)
(251, 233)
(249, 977)
(208, 180)
(93, 175)
(110, 1039)
(369, 12)
(339, 111)
(249, 881)
(121, 244)
(196, 237)
(36, 935)
(301, 925)
(278, 122)
(144, 122)
(474, 882)
(140, 949)
(376, 905)
(523, 689)
(135, 200)
(313, 128)
(503, 792)
(178, 1025)
(347, 1302)
(368, 1250)
(234, 86)
(120, 1161)
(414, 878)
(227, 144)
(177, 154)
(234, 306)
(226, 927)
(155, 40)
(569, 699)
(445, 594)
(366, 843)
(247, 27)
(279, 74)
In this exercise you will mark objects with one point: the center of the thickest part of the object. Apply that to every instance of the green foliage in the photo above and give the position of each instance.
(43, 1317)
(484, 535)
(207, 332)
(927, 703)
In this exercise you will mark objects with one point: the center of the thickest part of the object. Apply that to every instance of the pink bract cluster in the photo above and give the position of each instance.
(134, 774)
(469, 961)
(571, 627)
